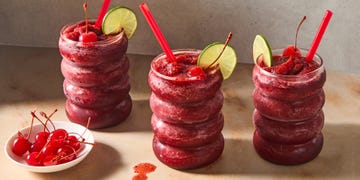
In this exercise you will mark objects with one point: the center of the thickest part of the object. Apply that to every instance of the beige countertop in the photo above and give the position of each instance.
(31, 78)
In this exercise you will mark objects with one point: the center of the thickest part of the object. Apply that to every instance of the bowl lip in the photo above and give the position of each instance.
(48, 169)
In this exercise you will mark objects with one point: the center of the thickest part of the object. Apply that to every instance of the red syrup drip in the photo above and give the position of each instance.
(142, 169)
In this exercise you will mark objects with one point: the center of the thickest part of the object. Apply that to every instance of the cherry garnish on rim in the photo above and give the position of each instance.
(197, 71)
(87, 36)
(222, 51)
(293, 50)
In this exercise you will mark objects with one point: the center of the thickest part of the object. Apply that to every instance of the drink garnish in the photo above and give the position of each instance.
(225, 55)
(120, 19)
(293, 50)
(87, 36)
(261, 47)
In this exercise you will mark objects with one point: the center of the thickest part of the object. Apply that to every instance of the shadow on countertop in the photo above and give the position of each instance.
(338, 158)
(138, 120)
(102, 162)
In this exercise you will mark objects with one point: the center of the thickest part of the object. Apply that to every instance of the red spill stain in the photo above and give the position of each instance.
(142, 169)
(140, 177)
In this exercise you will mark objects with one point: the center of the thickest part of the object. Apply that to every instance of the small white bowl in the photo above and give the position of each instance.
(69, 127)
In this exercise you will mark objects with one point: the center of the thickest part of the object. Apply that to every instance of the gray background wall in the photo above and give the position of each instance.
(196, 23)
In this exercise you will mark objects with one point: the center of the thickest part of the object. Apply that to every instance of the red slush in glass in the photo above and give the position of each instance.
(288, 116)
(96, 76)
(187, 118)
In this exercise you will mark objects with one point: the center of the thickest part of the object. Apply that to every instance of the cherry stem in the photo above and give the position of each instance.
(73, 153)
(47, 142)
(88, 123)
(31, 126)
(34, 115)
(84, 142)
(55, 159)
(86, 16)
(75, 133)
(48, 118)
(55, 110)
(53, 113)
(87, 127)
(222, 51)
(82, 139)
(297, 31)
(20, 134)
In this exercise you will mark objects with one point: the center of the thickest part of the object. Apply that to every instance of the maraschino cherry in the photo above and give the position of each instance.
(197, 71)
(293, 50)
(21, 145)
(88, 36)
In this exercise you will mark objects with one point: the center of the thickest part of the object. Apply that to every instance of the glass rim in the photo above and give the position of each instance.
(99, 43)
(175, 78)
(316, 56)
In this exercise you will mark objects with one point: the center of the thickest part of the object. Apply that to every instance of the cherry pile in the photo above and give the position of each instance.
(291, 62)
(286, 65)
(50, 147)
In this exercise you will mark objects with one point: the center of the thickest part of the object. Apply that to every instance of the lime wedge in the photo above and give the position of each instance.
(262, 47)
(118, 19)
(227, 60)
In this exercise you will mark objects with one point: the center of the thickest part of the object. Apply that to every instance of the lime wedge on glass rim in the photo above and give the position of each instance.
(227, 61)
(118, 19)
(262, 48)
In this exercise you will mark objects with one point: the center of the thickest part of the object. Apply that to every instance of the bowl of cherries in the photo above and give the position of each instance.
(49, 146)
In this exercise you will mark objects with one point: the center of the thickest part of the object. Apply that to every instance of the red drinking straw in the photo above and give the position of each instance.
(102, 13)
(156, 30)
(319, 34)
